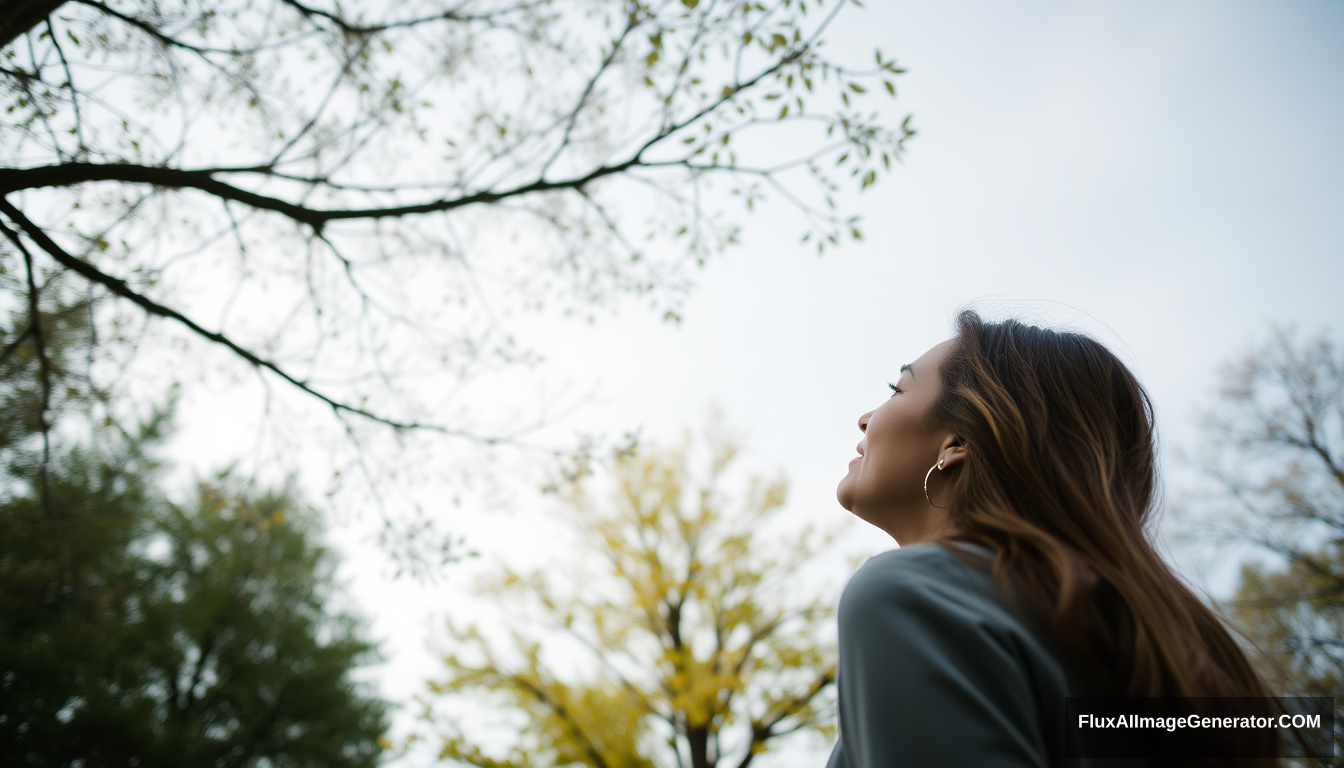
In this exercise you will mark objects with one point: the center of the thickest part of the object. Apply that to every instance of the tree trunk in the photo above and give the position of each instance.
(697, 738)
(19, 16)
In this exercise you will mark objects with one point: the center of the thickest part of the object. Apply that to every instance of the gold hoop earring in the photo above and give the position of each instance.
(939, 467)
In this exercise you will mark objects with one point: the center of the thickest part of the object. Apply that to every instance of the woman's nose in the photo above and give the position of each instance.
(863, 421)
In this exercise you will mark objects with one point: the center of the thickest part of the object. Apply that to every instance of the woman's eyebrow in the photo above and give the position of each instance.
(908, 367)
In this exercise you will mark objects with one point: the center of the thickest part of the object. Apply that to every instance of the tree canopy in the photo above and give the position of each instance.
(355, 198)
(682, 636)
(139, 631)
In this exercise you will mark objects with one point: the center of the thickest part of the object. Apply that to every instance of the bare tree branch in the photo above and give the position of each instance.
(121, 288)
(19, 16)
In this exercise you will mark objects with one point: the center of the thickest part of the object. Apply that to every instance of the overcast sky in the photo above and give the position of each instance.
(1166, 175)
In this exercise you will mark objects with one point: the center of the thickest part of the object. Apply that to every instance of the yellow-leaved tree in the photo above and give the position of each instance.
(676, 633)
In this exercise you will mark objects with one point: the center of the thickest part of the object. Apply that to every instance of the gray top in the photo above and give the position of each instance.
(937, 670)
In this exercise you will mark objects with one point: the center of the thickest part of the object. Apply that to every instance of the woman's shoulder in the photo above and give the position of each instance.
(939, 572)
(921, 557)
(939, 589)
(937, 668)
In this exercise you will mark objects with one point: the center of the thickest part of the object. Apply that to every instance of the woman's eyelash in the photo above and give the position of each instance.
(895, 389)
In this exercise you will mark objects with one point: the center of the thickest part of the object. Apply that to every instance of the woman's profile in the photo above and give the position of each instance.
(1015, 465)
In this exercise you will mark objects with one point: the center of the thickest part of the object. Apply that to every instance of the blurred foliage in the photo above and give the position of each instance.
(140, 632)
(1278, 454)
(675, 633)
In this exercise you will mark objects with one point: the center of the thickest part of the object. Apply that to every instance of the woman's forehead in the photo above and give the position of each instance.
(930, 359)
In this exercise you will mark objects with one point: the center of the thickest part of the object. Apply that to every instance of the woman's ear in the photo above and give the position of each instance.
(952, 452)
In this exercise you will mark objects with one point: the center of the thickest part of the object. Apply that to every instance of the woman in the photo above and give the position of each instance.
(1021, 461)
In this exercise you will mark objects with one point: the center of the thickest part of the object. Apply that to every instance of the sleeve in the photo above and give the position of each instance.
(930, 674)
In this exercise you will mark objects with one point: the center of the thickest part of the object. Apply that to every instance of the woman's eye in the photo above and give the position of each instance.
(895, 390)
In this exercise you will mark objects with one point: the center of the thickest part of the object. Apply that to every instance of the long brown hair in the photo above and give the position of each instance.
(1059, 483)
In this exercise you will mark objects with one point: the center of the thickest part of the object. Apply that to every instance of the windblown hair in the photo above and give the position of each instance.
(1059, 482)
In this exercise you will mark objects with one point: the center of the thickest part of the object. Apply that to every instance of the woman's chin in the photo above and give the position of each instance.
(844, 493)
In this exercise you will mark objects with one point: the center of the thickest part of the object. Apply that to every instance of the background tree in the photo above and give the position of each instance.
(136, 631)
(676, 641)
(1277, 438)
(354, 198)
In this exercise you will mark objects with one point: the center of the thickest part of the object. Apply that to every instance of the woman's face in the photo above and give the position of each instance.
(885, 483)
